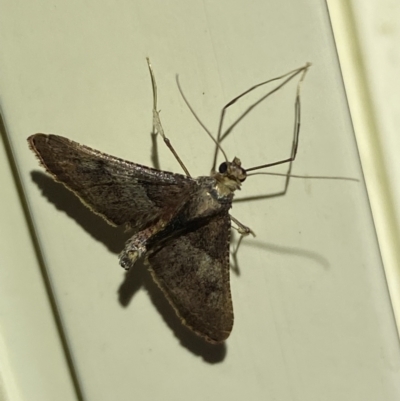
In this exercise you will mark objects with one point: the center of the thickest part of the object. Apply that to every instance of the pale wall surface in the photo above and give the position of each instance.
(313, 316)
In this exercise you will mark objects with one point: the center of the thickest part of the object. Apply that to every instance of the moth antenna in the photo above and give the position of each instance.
(157, 126)
(218, 146)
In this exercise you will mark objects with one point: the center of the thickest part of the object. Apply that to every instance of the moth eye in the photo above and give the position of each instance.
(223, 167)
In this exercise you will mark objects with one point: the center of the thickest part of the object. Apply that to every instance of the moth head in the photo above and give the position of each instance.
(231, 174)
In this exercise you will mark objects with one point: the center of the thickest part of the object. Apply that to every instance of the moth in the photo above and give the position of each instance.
(181, 225)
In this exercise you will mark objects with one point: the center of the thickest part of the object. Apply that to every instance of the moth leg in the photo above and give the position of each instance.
(289, 76)
(135, 247)
(235, 265)
(244, 231)
(241, 228)
(157, 126)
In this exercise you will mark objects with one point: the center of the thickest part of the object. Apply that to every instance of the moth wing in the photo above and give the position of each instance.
(192, 269)
(118, 190)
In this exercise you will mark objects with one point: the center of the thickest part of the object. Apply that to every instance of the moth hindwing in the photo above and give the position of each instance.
(181, 225)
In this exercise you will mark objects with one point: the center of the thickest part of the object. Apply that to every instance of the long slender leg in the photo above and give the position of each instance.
(244, 231)
(295, 144)
(157, 126)
(290, 76)
(289, 160)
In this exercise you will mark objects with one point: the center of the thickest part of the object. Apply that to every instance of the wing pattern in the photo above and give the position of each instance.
(120, 191)
(192, 269)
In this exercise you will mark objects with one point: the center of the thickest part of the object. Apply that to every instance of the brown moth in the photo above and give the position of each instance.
(181, 225)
